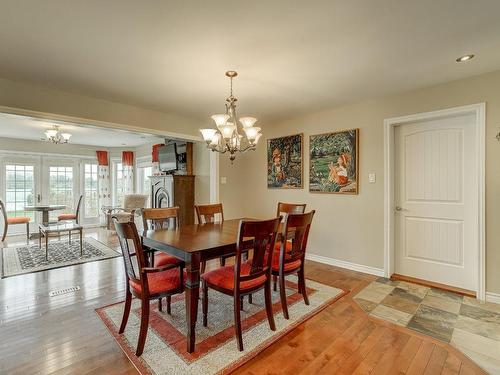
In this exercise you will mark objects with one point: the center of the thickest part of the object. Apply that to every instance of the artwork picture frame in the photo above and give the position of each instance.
(285, 162)
(334, 162)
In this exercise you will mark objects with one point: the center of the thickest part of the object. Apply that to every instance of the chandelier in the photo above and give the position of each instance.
(54, 135)
(226, 137)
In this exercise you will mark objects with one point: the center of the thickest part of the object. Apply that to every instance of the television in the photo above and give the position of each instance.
(167, 157)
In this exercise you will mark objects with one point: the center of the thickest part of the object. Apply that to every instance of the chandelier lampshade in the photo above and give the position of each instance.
(226, 137)
(54, 135)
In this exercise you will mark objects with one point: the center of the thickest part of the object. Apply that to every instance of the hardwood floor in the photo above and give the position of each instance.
(63, 335)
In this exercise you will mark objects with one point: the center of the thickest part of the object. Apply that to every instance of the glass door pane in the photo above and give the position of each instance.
(91, 201)
(118, 184)
(19, 189)
(61, 188)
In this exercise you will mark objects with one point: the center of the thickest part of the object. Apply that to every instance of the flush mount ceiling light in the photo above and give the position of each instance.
(225, 137)
(464, 58)
(55, 135)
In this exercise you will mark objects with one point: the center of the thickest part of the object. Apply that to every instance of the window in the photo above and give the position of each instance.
(90, 191)
(143, 183)
(61, 186)
(118, 184)
(19, 190)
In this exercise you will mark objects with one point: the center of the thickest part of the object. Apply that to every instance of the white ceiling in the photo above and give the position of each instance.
(293, 56)
(21, 127)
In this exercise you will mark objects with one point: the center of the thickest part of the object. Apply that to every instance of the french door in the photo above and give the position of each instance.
(60, 185)
(20, 187)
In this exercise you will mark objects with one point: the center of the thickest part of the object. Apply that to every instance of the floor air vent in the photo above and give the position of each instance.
(64, 291)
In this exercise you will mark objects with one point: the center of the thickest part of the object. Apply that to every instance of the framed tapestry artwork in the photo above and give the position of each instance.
(334, 162)
(284, 162)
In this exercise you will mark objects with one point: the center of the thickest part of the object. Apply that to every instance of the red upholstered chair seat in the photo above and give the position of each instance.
(162, 259)
(277, 246)
(288, 266)
(18, 220)
(223, 277)
(66, 217)
(160, 282)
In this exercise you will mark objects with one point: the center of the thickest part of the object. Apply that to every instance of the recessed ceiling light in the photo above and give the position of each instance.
(464, 58)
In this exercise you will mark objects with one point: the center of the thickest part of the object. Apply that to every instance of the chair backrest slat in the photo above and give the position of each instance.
(78, 206)
(290, 208)
(160, 218)
(263, 234)
(4, 212)
(206, 213)
(296, 230)
(131, 247)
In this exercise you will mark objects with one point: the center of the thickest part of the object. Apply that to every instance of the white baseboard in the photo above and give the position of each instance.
(492, 297)
(344, 264)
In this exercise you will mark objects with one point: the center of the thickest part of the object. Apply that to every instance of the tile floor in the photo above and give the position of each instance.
(466, 323)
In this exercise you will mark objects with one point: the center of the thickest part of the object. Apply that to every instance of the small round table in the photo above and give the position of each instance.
(45, 209)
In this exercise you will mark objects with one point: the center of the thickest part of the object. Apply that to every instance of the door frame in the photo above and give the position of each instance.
(479, 111)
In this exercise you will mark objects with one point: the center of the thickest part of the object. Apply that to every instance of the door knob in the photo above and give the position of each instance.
(399, 208)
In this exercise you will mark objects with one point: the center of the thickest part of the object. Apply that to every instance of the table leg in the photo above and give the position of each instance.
(192, 285)
(46, 246)
(39, 239)
(45, 217)
(81, 243)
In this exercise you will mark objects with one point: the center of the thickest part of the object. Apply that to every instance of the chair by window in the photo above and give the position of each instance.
(145, 283)
(75, 216)
(245, 277)
(14, 221)
(132, 203)
(161, 218)
(211, 213)
(289, 258)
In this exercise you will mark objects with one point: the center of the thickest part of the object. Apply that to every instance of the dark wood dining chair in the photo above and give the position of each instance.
(290, 256)
(245, 277)
(161, 218)
(285, 209)
(145, 283)
(14, 221)
(210, 213)
(75, 216)
(290, 208)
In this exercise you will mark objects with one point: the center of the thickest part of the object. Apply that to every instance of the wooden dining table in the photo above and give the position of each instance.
(194, 244)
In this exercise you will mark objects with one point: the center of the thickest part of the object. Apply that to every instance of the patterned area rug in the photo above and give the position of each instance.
(216, 350)
(469, 325)
(27, 259)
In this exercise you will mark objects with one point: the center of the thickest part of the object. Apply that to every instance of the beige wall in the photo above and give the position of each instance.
(350, 228)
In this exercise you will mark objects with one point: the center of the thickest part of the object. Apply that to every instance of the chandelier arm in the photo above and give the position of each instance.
(243, 150)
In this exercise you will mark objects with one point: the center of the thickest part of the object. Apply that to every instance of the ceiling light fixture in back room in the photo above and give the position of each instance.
(226, 137)
(55, 135)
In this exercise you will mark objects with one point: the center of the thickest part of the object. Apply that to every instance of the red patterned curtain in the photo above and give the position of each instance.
(155, 152)
(128, 158)
(102, 158)
(103, 181)
(128, 172)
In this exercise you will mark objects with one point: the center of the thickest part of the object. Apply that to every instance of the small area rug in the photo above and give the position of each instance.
(27, 259)
(216, 350)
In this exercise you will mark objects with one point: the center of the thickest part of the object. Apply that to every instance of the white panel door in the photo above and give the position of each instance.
(436, 201)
